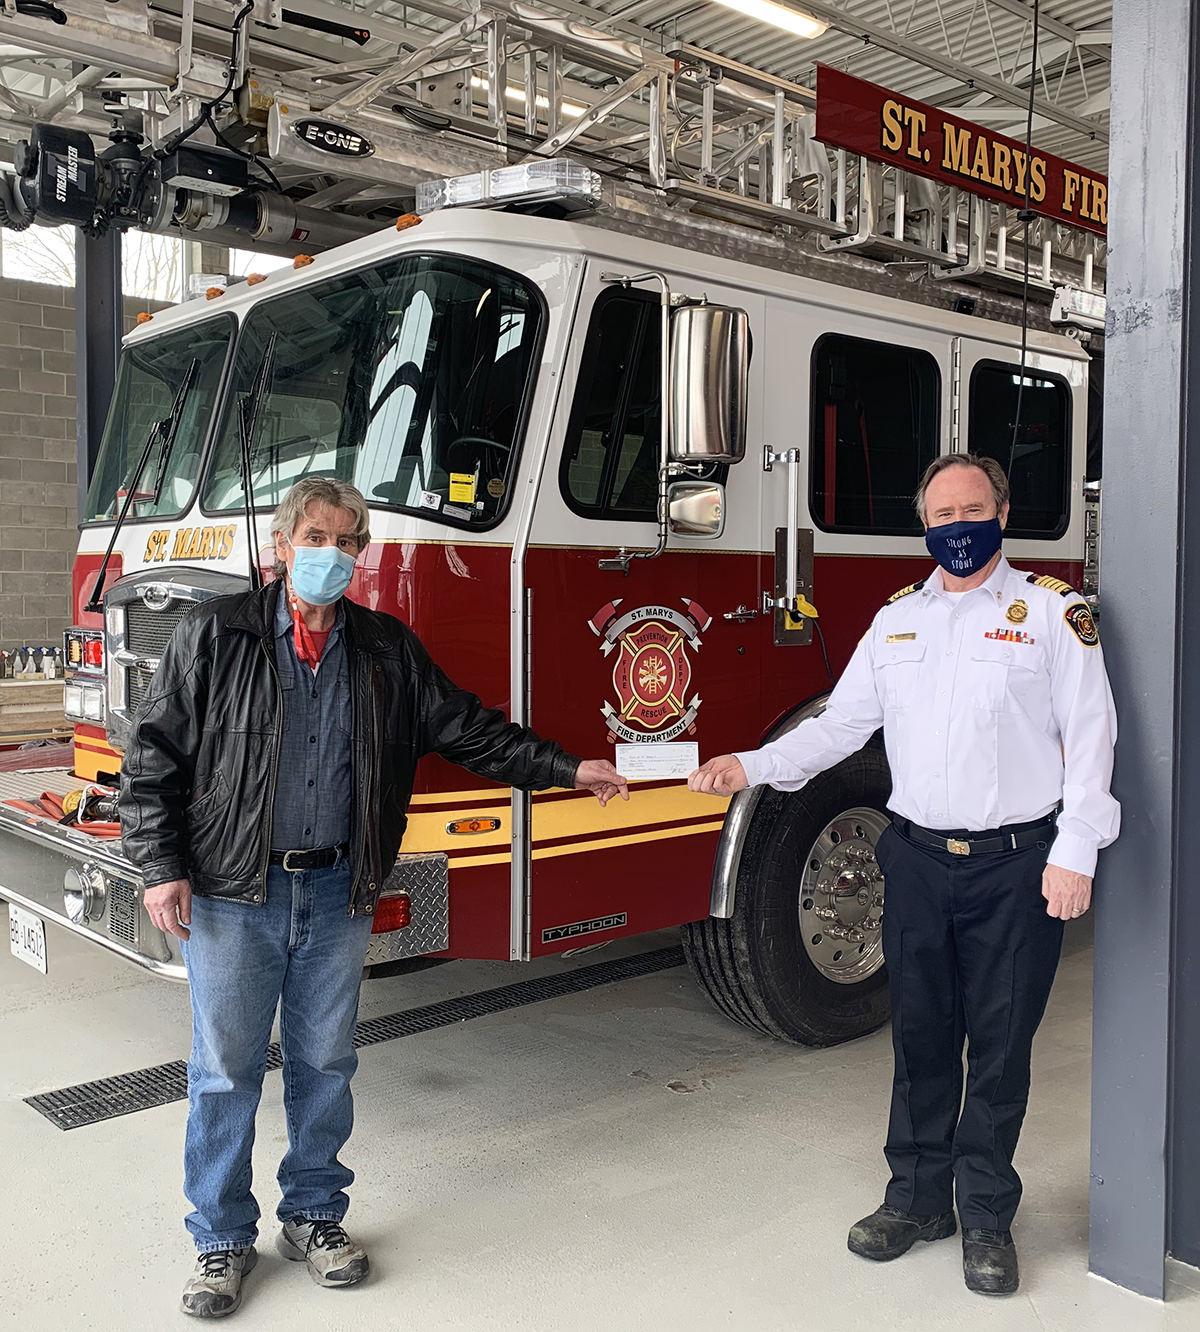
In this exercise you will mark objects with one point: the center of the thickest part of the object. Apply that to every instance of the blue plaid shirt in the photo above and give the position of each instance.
(313, 791)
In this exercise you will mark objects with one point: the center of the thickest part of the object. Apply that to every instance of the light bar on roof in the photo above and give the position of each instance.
(795, 21)
(558, 179)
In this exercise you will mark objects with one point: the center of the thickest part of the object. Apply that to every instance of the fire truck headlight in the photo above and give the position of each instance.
(83, 701)
(93, 704)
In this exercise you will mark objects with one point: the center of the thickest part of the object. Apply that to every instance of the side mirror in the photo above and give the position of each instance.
(710, 367)
(696, 508)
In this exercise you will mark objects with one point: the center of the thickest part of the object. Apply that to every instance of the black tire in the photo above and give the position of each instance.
(755, 966)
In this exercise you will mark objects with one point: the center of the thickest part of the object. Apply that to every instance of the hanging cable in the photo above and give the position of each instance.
(239, 152)
(206, 108)
(816, 624)
(1026, 215)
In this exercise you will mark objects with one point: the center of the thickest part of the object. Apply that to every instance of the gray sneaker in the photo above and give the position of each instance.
(215, 1288)
(332, 1257)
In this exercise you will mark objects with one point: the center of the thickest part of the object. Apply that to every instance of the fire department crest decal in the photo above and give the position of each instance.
(652, 673)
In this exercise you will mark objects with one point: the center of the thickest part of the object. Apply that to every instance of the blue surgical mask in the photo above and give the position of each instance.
(962, 549)
(321, 574)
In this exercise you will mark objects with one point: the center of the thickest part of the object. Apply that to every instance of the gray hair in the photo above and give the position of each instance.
(988, 466)
(319, 490)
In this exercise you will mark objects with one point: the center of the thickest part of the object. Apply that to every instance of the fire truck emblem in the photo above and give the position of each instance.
(652, 672)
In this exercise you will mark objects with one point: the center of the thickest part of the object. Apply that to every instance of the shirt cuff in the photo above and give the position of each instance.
(1074, 853)
(751, 762)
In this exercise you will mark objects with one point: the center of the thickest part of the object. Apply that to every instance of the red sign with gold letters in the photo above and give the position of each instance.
(886, 127)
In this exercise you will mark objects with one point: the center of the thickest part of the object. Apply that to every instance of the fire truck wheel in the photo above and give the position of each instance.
(802, 956)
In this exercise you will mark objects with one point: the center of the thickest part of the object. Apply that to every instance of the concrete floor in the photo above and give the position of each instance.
(622, 1159)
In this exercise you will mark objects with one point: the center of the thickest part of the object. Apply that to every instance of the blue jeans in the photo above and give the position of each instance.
(301, 950)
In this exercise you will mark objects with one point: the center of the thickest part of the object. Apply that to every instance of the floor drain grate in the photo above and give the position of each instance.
(127, 1093)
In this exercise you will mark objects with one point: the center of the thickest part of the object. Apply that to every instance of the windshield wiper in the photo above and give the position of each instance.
(162, 433)
(247, 425)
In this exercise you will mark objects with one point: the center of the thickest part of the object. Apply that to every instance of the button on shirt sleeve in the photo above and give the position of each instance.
(854, 713)
(1083, 708)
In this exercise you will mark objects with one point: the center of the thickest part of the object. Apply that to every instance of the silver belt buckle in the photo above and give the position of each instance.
(286, 858)
(957, 848)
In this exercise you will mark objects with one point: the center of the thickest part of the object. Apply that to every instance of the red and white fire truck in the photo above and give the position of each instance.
(494, 384)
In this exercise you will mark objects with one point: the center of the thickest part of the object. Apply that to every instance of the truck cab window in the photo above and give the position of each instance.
(874, 430)
(410, 379)
(147, 382)
(1037, 456)
(610, 459)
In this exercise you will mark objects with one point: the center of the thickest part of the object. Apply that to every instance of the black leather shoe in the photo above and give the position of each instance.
(990, 1262)
(889, 1232)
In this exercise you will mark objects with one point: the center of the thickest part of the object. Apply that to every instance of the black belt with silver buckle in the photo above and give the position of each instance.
(320, 857)
(1012, 837)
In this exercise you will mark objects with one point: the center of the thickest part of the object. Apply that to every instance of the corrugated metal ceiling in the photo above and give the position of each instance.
(990, 36)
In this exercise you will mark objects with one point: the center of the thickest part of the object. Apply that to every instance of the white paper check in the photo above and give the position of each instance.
(655, 762)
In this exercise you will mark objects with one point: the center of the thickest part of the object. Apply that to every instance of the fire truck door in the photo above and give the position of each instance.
(669, 652)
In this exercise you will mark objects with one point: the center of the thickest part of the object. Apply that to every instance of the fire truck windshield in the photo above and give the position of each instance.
(409, 379)
(147, 382)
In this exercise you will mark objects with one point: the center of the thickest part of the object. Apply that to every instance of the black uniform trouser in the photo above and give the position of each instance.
(971, 954)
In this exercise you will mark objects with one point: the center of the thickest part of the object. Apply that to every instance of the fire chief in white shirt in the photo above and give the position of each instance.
(999, 726)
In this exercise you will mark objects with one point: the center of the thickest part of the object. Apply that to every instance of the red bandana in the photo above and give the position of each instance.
(310, 643)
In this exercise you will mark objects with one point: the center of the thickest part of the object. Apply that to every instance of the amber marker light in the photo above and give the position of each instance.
(302, 261)
(144, 317)
(253, 279)
(466, 827)
(406, 220)
(213, 292)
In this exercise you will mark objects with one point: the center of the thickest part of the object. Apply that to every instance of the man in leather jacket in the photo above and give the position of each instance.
(264, 796)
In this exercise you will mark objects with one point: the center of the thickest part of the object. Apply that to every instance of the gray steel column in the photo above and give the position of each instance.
(1150, 594)
(99, 324)
(1183, 1125)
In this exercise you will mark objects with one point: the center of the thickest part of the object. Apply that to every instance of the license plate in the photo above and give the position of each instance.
(27, 934)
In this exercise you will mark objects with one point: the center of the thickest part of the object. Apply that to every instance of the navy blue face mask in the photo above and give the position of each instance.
(962, 549)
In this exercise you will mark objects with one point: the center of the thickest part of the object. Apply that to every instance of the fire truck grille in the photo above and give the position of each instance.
(148, 631)
(135, 691)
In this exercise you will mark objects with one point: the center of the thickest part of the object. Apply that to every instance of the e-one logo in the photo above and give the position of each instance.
(331, 138)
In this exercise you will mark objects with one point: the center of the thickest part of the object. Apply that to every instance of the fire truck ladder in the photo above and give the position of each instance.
(677, 134)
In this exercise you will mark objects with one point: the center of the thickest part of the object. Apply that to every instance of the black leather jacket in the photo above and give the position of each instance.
(198, 779)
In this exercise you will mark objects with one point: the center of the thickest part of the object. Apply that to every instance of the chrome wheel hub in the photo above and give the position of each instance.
(841, 898)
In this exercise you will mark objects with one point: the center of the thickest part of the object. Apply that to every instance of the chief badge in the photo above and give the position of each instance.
(1017, 613)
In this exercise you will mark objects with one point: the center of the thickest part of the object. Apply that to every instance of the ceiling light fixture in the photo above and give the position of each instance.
(778, 16)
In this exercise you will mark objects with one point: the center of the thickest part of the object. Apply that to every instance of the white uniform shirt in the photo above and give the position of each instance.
(995, 706)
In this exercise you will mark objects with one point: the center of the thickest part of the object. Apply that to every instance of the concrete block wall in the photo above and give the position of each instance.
(38, 451)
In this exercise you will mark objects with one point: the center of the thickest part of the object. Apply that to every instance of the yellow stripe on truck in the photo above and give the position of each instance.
(579, 818)
(592, 844)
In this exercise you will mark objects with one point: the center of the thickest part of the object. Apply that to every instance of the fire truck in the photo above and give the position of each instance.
(631, 493)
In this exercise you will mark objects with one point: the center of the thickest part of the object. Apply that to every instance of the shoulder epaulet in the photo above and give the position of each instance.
(1052, 585)
(904, 591)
